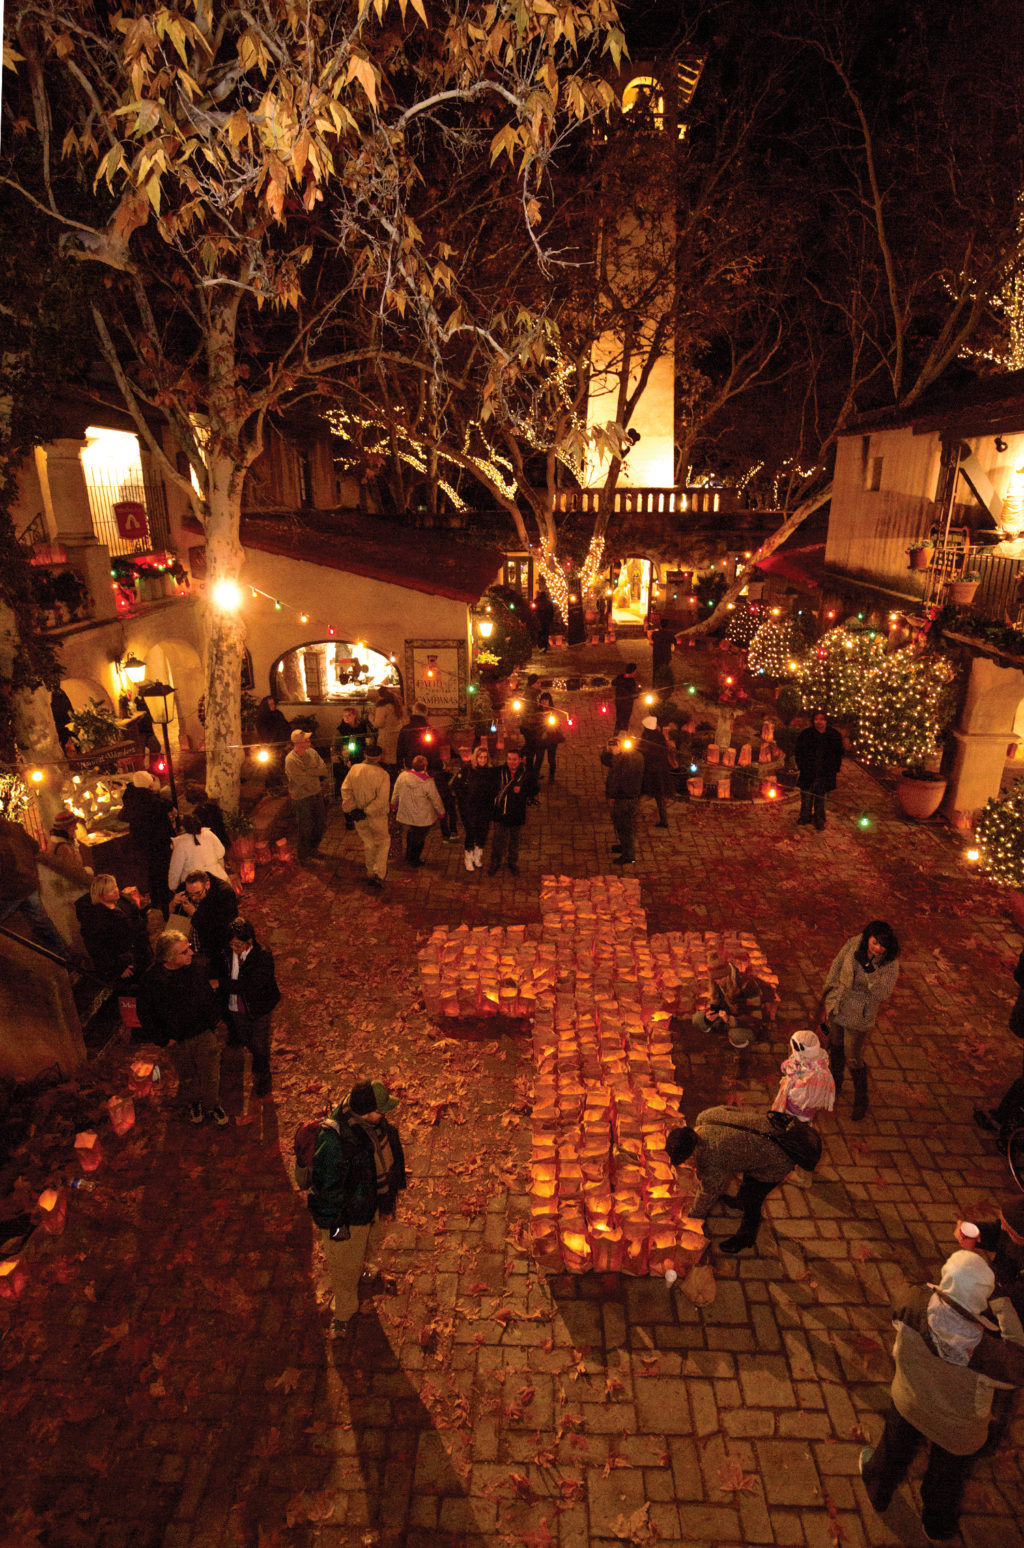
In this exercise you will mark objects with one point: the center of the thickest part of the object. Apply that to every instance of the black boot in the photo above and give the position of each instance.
(837, 1063)
(806, 807)
(860, 1093)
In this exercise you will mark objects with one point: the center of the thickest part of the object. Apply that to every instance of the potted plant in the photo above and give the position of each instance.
(242, 833)
(960, 592)
(920, 553)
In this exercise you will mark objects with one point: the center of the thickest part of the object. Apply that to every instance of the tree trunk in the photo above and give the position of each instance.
(778, 537)
(224, 633)
(36, 736)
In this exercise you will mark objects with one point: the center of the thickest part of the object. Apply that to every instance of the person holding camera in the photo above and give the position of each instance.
(365, 796)
(735, 1001)
(622, 788)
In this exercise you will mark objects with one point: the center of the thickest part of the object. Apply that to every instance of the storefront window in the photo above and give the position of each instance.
(331, 672)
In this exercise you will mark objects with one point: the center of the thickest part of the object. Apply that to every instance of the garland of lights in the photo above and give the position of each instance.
(554, 573)
(773, 647)
(904, 707)
(747, 618)
(833, 673)
(1000, 838)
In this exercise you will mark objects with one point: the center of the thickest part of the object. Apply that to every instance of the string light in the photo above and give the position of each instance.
(227, 596)
(903, 707)
(832, 676)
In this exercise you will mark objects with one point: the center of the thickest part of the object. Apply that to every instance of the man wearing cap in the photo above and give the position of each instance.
(658, 761)
(365, 796)
(735, 1001)
(727, 1140)
(304, 769)
(358, 1173)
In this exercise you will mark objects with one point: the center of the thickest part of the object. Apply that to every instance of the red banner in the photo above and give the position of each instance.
(132, 524)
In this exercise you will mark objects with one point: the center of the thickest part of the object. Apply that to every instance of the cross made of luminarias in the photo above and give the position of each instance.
(600, 993)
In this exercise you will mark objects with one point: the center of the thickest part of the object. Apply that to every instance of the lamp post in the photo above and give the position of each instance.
(159, 701)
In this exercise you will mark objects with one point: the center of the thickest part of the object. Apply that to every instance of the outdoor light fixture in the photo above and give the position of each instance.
(648, 698)
(133, 669)
(974, 855)
(627, 745)
(263, 756)
(227, 596)
(159, 700)
(552, 720)
(485, 628)
(303, 618)
(517, 705)
(1001, 445)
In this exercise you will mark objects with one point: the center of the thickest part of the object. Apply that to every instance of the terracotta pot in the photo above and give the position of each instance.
(920, 558)
(920, 798)
(961, 593)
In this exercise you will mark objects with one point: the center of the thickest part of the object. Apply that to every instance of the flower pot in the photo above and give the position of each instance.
(961, 592)
(920, 558)
(919, 798)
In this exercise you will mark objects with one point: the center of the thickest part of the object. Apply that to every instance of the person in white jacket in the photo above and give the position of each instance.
(418, 805)
(195, 849)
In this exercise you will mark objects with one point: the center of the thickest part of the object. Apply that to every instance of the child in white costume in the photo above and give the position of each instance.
(806, 1086)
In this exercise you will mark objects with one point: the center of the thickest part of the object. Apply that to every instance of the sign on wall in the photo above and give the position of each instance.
(435, 672)
(132, 523)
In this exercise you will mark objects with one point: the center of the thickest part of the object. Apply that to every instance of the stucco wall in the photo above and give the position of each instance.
(359, 607)
(870, 530)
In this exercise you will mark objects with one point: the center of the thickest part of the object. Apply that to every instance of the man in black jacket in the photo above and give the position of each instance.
(625, 765)
(211, 905)
(417, 737)
(250, 993)
(625, 689)
(177, 1010)
(819, 757)
(151, 829)
(509, 814)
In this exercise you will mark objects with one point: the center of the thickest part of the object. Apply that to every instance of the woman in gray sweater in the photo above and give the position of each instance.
(863, 974)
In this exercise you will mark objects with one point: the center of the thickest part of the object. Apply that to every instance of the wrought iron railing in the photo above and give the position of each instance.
(148, 492)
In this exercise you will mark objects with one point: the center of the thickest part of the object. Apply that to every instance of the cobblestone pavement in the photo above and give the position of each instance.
(168, 1375)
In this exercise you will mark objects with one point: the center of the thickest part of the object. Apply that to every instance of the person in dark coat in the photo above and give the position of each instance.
(509, 813)
(475, 786)
(551, 735)
(659, 764)
(211, 905)
(358, 1173)
(151, 828)
(418, 738)
(272, 726)
(177, 1010)
(113, 932)
(544, 614)
(623, 785)
(625, 689)
(62, 710)
(819, 757)
(663, 643)
(19, 884)
(249, 995)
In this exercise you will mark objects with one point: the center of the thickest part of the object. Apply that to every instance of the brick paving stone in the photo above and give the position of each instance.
(410, 1430)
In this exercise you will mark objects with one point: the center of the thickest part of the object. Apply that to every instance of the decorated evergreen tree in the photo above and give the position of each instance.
(777, 642)
(833, 673)
(745, 622)
(906, 704)
(1000, 835)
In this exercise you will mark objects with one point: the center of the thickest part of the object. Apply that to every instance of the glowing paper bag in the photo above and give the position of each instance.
(52, 1204)
(122, 1113)
(88, 1150)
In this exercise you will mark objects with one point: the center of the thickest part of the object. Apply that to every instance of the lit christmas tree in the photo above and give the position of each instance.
(1000, 836)
(905, 706)
(744, 623)
(833, 672)
(777, 643)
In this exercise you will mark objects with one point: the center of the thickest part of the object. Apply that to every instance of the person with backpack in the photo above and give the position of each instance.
(358, 1171)
(763, 1147)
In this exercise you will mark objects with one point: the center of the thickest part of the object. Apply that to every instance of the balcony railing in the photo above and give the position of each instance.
(996, 596)
(148, 492)
(688, 501)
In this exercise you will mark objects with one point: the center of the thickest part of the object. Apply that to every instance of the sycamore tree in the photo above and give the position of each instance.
(242, 177)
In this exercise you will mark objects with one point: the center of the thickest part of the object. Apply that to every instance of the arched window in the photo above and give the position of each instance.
(645, 92)
(331, 672)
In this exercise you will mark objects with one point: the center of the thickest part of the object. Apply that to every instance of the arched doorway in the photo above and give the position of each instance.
(176, 663)
(631, 598)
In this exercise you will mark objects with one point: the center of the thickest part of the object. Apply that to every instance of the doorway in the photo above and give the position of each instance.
(632, 597)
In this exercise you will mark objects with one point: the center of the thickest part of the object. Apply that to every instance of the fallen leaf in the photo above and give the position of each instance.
(732, 1477)
(287, 1381)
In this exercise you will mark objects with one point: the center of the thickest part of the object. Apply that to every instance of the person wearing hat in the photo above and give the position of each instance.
(304, 769)
(950, 1357)
(358, 1173)
(365, 797)
(151, 829)
(727, 1140)
(807, 1087)
(659, 760)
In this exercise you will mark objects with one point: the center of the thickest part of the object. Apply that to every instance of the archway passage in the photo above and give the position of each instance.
(632, 596)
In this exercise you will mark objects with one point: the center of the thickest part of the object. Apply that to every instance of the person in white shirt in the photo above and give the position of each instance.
(195, 849)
